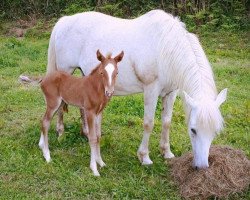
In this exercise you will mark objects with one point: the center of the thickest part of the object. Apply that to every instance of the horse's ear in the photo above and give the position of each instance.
(100, 57)
(119, 57)
(222, 96)
(189, 100)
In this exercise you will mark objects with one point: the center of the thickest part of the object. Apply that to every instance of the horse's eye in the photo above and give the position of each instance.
(101, 73)
(193, 131)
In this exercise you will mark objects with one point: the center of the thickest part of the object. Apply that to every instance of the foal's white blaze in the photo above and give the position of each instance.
(110, 68)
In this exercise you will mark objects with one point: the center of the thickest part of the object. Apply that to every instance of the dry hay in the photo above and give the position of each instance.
(228, 173)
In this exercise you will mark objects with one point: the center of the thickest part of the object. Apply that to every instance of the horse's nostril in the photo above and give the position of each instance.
(196, 168)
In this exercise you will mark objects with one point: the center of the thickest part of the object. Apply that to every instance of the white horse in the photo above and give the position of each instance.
(161, 57)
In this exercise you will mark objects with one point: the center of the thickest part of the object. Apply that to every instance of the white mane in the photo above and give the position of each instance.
(184, 58)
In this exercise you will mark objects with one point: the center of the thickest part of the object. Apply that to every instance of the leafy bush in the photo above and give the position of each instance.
(208, 14)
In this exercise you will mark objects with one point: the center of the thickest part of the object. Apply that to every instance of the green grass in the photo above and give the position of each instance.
(25, 174)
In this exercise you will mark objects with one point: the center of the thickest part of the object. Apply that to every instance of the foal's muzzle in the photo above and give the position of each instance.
(109, 94)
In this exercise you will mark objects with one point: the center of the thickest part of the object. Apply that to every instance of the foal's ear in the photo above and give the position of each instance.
(100, 57)
(119, 57)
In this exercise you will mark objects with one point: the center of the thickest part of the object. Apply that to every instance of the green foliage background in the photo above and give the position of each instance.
(209, 14)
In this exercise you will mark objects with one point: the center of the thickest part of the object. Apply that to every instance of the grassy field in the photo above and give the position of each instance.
(25, 175)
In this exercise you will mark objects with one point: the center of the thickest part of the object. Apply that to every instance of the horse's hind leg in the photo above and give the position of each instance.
(59, 124)
(150, 101)
(52, 107)
(166, 115)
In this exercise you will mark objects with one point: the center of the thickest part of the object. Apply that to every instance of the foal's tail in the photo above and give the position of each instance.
(30, 80)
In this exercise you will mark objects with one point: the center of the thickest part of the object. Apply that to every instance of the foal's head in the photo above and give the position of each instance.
(108, 70)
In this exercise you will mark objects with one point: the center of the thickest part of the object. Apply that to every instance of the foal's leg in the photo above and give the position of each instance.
(92, 142)
(84, 124)
(60, 125)
(150, 101)
(52, 107)
(166, 115)
(98, 123)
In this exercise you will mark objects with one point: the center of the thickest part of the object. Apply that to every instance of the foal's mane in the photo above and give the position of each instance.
(95, 69)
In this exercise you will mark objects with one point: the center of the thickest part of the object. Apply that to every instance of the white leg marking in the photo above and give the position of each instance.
(41, 141)
(98, 122)
(93, 165)
(46, 152)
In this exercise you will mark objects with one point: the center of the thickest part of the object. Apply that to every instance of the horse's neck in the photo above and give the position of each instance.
(200, 86)
(196, 70)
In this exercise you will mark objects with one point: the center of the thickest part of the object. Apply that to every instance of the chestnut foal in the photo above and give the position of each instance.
(90, 93)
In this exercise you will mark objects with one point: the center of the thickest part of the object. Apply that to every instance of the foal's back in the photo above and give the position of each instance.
(61, 85)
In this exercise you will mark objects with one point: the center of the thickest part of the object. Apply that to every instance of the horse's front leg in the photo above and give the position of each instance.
(150, 101)
(166, 116)
(92, 142)
(98, 123)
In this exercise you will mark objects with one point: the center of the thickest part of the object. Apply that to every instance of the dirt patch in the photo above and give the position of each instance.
(228, 173)
(20, 27)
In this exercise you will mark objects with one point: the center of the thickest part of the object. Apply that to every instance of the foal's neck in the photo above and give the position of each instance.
(96, 82)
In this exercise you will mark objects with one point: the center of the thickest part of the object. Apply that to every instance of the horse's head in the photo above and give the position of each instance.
(109, 71)
(204, 122)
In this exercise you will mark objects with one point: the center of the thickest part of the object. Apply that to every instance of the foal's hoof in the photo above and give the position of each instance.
(59, 133)
(96, 173)
(101, 163)
(47, 157)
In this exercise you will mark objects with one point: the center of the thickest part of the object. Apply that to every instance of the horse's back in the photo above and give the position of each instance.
(79, 36)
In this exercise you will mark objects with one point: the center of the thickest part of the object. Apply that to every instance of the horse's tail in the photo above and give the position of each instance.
(30, 80)
(51, 66)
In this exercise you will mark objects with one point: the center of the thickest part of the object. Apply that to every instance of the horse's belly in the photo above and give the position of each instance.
(126, 85)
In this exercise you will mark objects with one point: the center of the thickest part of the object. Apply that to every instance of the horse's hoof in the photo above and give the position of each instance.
(169, 155)
(147, 162)
(144, 158)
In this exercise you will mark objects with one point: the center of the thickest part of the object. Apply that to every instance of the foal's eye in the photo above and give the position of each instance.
(193, 131)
